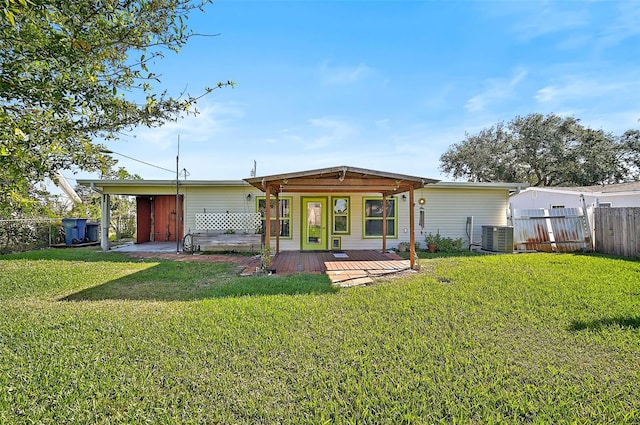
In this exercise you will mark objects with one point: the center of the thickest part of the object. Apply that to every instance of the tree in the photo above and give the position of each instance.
(542, 151)
(630, 142)
(72, 71)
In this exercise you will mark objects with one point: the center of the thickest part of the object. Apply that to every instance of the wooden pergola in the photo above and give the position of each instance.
(341, 179)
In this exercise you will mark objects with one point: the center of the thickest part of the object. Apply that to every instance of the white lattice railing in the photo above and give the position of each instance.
(248, 222)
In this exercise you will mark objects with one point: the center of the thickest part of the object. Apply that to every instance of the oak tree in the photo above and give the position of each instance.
(543, 150)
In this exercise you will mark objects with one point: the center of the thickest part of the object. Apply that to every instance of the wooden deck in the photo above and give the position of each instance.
(345, 268)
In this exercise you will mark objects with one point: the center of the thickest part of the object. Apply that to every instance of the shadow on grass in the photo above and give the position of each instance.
(607, 256)
(599, 324)
(83, 254)
(168, 281)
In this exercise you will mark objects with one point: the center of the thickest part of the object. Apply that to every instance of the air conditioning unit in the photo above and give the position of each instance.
(497, 238)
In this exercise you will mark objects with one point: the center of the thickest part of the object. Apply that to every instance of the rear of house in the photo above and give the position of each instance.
(319, 218)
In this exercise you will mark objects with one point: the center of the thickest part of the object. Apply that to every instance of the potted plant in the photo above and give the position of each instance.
(265, 257)
(432, 241)
(403, 246)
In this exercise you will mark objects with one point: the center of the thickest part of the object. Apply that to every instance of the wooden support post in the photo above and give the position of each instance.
(267, 219)
(278, 224)
(412, 234)
(384, 223)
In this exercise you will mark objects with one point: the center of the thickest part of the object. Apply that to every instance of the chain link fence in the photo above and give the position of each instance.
(28, 234)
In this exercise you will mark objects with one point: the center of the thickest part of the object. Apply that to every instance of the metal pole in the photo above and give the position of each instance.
(178, 197)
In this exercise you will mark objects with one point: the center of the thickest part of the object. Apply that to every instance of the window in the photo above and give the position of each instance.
(340, 214)
(604, 204)
(285, 215)
(556, 206)
(373, 217)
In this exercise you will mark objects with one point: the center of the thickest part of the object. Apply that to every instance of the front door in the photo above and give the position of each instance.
(314, 224)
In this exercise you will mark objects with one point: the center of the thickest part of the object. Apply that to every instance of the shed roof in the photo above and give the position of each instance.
(629, 188)
(606, 188)
(115, 182)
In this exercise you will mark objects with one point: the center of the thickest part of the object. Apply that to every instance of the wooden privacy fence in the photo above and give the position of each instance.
(551, 230)
(618, 231)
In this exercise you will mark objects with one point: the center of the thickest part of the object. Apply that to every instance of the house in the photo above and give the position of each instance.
(331, 208)
(612, 195)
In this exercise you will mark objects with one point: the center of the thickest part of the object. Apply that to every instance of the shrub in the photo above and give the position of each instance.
(445, 244)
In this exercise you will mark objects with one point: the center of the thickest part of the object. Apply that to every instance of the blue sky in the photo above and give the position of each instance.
(384, 85)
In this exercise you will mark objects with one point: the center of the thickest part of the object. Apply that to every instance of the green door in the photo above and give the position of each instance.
(314, 224)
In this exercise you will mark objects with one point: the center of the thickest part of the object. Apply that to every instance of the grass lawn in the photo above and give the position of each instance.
(92, 337)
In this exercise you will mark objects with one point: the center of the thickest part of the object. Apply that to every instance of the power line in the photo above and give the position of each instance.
(138, 160)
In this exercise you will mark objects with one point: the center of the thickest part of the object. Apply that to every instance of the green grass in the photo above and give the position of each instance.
(482, 339)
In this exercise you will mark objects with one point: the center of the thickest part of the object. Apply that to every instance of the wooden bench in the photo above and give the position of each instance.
(219, 232)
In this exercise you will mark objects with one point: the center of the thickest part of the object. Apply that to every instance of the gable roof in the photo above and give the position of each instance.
(339, 179)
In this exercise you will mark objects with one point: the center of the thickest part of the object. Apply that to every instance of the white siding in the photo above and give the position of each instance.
(533, 198)
(446, 211)
(199, 199)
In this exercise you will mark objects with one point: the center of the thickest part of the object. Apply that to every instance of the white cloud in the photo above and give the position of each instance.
(334, 131)
(625, 26)
(211, 120)
(159, 146)
(531, 20)
(582, 88)
(343, 74)
(383, 124)
(496, 90)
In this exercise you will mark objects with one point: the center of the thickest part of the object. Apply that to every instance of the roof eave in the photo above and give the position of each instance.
(340, 179)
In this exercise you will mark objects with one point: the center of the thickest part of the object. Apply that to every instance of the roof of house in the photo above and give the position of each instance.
(342, 178)
(113, 182)
(333, 179)
(618, 188)
(478, 185)
(608, 188)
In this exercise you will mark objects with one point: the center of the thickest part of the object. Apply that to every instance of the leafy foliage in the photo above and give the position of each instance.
(29, 234)
(75, 70)
(544, 151)
(630, 141)
(445, 243)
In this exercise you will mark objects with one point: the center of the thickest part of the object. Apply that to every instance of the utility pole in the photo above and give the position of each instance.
(178, 198)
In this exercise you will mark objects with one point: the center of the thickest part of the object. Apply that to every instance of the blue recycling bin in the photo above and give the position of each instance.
(92, 231)
(81, 223)
(70, 230)
(74, 230)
